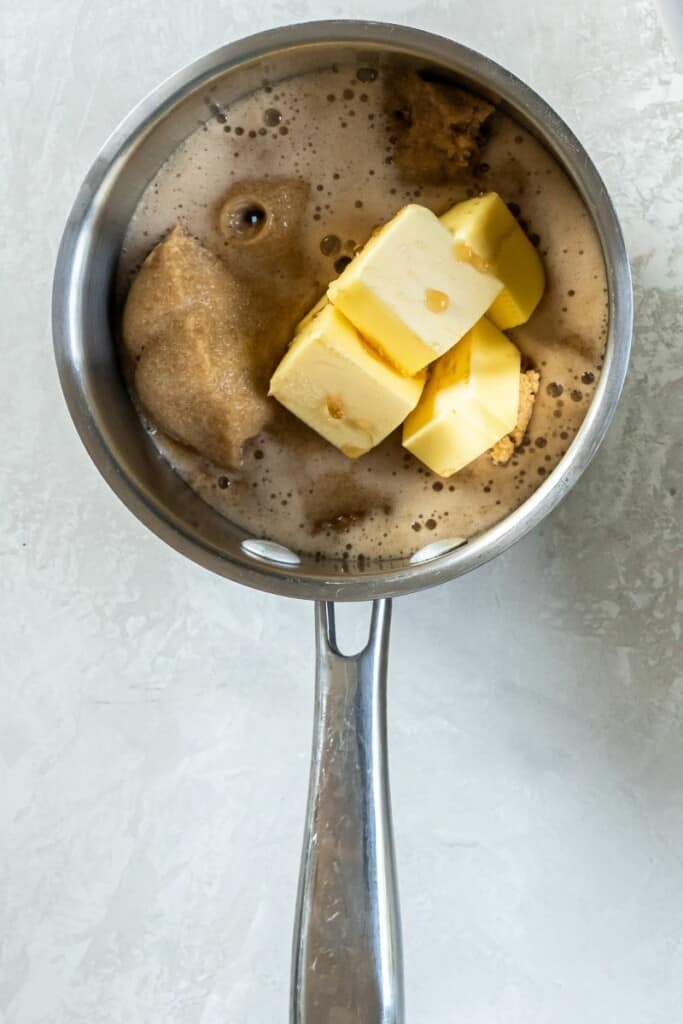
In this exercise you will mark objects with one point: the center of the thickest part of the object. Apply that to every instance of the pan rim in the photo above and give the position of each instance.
(383, 581)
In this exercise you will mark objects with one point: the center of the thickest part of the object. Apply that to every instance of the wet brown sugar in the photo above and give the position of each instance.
(311, 180)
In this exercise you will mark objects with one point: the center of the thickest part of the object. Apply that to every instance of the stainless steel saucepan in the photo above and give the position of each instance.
(347, 945)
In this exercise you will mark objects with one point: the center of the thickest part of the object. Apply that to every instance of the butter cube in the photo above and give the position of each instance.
(470, 401)
(408, 294)
(337, 385)
(488, 237)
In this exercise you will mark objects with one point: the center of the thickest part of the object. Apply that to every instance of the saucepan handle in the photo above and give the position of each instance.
(347, 965)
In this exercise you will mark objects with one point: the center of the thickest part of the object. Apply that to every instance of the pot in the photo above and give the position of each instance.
(347, 963)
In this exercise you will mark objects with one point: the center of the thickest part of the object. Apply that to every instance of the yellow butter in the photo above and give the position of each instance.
(470, 401)
(487, 235)
(337, 385)
(408, 294)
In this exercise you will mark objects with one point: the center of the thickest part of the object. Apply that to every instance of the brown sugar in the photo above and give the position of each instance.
(438, 128)
(188, 357)
(503, 450)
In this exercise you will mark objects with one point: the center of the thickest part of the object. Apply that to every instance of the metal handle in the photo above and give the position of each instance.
(347, 965)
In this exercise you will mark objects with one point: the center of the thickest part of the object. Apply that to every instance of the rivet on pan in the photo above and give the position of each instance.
(436, 548)
(267, 551)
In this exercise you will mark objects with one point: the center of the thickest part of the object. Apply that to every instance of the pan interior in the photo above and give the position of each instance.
(156, 493)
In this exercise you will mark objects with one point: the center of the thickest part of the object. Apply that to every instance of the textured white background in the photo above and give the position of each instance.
(155, 720)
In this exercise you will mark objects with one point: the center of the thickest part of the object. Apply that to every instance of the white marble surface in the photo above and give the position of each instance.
(155, 720)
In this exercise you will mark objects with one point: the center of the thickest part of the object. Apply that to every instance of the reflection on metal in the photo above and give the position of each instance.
(268, 551)
(436, 548)
(347, 965)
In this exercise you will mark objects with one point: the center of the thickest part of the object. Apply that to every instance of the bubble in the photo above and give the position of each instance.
(366, 74)
(272, 117)
(330, 245)
(554, 389)
(244, 220)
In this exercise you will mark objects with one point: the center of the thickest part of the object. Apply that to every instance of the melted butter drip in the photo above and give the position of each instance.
(465, 254)
(436, 301)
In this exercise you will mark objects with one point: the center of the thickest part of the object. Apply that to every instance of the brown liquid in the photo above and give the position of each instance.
(330, 130)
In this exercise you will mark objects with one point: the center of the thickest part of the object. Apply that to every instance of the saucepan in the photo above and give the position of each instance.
(347, 963)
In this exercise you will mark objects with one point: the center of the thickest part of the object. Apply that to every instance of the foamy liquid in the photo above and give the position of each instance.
(332, 131)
